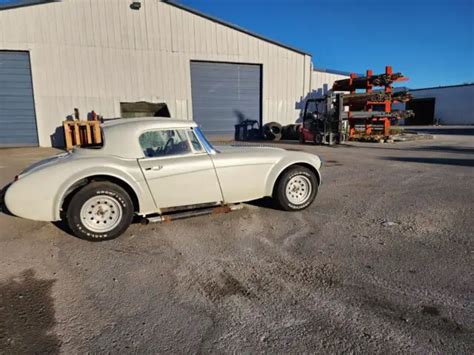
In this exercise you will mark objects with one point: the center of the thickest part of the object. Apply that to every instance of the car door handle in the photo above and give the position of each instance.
(154, 168)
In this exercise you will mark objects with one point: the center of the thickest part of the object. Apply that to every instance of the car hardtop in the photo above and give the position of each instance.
(145, 123)
(121, 135)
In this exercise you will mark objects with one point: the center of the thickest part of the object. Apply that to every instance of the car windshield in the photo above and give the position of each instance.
(204, 141)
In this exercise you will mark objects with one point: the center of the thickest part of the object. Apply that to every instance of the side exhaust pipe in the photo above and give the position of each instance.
(192, 213)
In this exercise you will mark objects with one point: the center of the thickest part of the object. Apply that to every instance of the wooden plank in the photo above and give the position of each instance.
(67, 135)
(88, 134)
(77, 135)
(97, 134)
(82, 133)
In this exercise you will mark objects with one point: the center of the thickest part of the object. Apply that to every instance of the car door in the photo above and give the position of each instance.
(179, 172)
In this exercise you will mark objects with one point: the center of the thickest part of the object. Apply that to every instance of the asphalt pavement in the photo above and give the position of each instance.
(382, 262)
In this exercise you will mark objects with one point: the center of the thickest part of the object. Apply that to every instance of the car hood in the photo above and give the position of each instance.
(269, 153)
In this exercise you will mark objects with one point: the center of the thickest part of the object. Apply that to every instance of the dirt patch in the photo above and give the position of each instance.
(426, 318)
(27, 315)
(328, 163)
(225, 285)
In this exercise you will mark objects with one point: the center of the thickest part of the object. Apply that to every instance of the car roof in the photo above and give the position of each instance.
(149, 123)
(121, 135)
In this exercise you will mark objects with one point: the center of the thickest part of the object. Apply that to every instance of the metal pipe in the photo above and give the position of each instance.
(191, 213)
(362, 81)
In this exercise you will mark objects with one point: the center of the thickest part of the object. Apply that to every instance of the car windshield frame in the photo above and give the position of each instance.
(204, 142)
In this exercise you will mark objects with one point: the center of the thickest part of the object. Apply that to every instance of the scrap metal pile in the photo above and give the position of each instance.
(370, 112)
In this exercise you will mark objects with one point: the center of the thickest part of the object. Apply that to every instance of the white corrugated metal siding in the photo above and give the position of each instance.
(454, 105)
(95, 54)
(321, 82)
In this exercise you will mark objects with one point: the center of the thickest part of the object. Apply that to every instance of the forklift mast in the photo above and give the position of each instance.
(323, 120)
(333, 107)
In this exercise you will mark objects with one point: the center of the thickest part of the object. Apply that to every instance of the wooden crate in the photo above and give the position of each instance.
(82, 133)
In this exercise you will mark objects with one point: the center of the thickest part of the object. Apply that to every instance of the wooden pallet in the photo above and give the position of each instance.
(82, 133)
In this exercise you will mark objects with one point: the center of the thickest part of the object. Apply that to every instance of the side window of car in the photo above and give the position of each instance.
(197, 147)
(164, 143)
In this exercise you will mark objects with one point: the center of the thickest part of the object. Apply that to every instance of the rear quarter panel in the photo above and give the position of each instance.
(39, 194)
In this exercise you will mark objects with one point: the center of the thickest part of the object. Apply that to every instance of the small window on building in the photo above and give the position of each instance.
(165, 143)
(144, 109)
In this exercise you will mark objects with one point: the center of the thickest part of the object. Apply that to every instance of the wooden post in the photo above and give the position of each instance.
(77, 135)
(67, 135)
(88, 133)
(97, 134)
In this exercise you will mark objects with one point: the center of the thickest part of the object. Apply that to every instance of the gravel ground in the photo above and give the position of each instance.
(381, 262)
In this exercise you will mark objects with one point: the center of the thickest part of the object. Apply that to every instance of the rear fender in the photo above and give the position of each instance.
(134, 180)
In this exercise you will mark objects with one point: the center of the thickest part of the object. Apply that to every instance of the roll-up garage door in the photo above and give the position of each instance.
(17, 111)
(224, 94)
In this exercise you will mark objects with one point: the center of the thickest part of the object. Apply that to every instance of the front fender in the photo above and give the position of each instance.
(293, 159)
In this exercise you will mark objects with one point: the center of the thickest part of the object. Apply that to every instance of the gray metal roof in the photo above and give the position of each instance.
(331, 71)
(334, 71)
(230, 25)
(443, 87)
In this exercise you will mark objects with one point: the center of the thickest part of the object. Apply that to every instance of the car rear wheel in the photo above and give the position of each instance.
(296, 189)
(100, 211)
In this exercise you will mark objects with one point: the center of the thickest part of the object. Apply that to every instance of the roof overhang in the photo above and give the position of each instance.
(232, 26)
(334, 71)
(443, 87)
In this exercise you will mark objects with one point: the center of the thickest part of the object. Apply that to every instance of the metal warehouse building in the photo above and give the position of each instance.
(447, 105)
(108, 55)
(322, 80)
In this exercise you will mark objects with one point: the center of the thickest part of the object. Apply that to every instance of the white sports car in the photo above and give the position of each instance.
(156, 168)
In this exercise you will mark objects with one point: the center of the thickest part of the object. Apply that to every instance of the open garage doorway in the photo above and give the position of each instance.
(424, 111)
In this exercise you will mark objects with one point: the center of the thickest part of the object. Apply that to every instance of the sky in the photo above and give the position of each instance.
(430, 41)
(16, 2)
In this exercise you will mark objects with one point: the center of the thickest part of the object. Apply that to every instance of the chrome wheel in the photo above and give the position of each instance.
(101, 214)
(298, 189)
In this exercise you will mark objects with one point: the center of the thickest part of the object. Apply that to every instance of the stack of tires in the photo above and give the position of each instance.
(291, 132)
(274, 131)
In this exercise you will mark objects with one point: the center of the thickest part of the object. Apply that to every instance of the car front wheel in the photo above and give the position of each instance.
(296, 189)
(100, 211)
